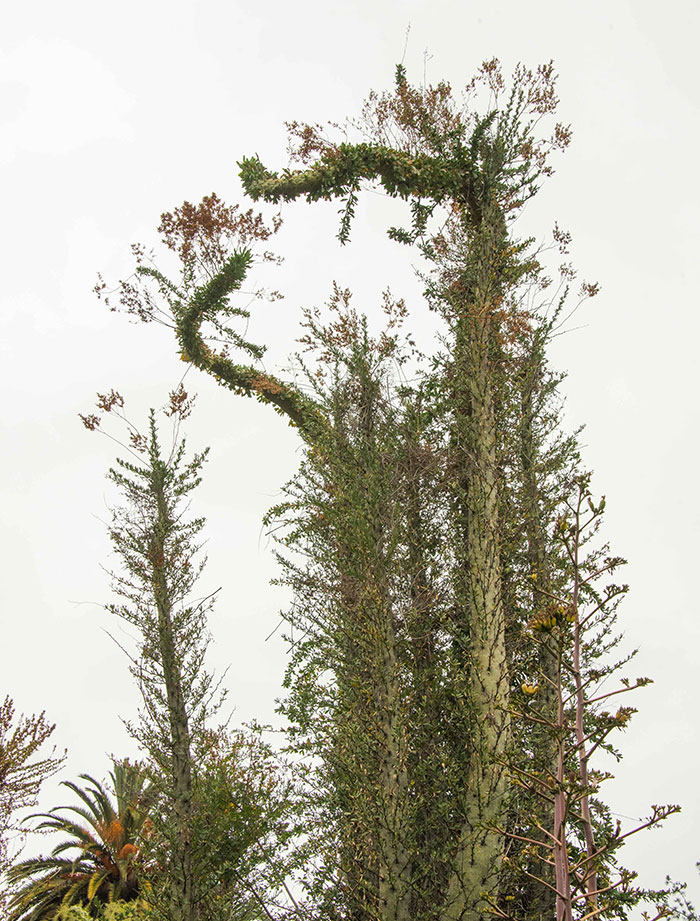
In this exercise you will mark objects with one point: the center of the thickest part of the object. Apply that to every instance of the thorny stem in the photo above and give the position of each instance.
(590, 874)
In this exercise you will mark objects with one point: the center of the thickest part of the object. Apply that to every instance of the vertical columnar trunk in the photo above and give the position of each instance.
(373, 782)
(478, 300)
(390, 826)
(561, 805)
(347, 762)
(393, 851)
(183, 901)
(480, 849)
(375, 785)
(426, 713)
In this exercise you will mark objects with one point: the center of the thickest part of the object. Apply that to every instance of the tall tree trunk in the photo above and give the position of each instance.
(374, 777)
(480, 850)
(426, 717)
(183, 900)
(476, 298)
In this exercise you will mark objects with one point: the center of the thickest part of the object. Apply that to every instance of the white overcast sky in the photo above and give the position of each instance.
(110, 115)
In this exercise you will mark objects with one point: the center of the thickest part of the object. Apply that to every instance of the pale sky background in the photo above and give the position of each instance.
(109, 116)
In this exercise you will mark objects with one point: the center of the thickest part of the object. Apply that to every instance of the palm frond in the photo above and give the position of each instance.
(99, 871)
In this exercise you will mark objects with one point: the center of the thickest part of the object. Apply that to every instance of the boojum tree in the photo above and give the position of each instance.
(426, 598)
(223, 816)
(357, 676)
(483, 168)
(157, 548)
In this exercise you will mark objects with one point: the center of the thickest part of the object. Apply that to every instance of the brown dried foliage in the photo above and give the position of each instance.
(205, 233)
(179, 403)
(347, 328)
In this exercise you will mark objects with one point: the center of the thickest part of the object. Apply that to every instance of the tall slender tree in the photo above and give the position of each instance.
(347, 516)
(158, 548)
(223, 814)
(576, 853)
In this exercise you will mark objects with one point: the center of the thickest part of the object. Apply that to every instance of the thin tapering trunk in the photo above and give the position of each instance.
(561, 803)
(591, 883)
(183, 901)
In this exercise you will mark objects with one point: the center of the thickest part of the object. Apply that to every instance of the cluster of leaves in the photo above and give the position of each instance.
(21, 774)
(420, 145)
(112, 858)
(114, 911)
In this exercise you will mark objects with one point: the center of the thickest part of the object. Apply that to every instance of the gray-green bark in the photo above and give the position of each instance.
(480, 850)
(370, 485)
(183, 897)
(480, 626)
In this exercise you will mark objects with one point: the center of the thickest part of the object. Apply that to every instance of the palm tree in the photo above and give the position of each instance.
(105, 839)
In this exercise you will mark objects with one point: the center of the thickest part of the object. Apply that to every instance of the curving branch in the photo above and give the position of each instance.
(490, 163)
(338, 170)
(302, 412)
